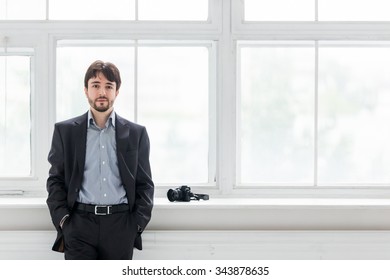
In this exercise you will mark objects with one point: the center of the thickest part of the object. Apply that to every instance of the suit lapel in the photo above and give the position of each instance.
(122, 145)
(122, 135)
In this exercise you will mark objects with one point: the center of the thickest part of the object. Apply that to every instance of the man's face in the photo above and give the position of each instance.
(101, 93)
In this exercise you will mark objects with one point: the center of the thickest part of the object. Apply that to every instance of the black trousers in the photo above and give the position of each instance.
(91, 237)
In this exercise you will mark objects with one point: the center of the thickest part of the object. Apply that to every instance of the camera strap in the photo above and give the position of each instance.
(200, 196)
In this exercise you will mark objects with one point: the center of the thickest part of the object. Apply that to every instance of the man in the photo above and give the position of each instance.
(100, 190)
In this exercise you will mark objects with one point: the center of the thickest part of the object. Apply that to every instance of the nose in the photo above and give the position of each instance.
(102, 92)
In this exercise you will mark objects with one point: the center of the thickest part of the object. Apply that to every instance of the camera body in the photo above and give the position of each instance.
(180, 194)
(184, 193)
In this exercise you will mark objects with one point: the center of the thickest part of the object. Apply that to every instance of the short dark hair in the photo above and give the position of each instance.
(108, 69)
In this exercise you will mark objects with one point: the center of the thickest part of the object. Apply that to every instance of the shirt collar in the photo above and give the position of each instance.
(111, 119)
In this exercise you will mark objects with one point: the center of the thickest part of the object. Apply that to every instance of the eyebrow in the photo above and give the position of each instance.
(98, 82)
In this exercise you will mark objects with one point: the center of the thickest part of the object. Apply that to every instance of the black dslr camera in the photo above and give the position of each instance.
(184, 194)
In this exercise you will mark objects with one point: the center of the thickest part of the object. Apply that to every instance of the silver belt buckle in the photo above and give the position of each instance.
(108, 207)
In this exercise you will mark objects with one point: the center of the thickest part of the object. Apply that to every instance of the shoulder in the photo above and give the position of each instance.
(73, 121)
(131, 125)
(71, 126)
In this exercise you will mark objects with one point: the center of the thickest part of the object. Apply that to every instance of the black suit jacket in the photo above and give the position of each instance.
(67, 159)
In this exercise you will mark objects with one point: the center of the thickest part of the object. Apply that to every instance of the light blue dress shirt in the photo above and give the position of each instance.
(102, 184)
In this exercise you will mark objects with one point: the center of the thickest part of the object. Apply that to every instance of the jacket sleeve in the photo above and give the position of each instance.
(57, 193)
(144, 183)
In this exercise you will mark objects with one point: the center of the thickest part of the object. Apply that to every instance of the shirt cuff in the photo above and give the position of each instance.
(63, 220)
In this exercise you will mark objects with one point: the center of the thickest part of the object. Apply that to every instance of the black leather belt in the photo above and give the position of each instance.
(102, 209)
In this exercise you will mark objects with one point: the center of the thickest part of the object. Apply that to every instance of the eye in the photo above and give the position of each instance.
(95, 86)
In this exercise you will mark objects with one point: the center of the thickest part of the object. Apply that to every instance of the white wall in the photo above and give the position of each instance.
(222, 245)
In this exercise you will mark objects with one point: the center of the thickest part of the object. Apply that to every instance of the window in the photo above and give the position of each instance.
(322, 10)
(240, 97)
(277, 113)
(159, 41)
(173, 10)
(354, 10)
(91, 10)
(32, 10)
(15, 122)
(287, 10)
(314, 114)
(98, 10)
(174, 95)
(166, 87)
(353, 113)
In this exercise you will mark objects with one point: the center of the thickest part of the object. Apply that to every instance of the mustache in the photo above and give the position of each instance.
(101, 98)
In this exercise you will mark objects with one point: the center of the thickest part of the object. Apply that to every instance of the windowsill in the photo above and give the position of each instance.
(230, 203)
(269, 203)
(227, 214)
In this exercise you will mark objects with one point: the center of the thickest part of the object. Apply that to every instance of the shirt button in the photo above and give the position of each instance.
(104, 179)
(105, 195)
(104, 162)
(102, 146)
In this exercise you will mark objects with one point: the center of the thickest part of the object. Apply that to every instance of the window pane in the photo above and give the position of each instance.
(345, 10)
(277, 114)
(92, 10)
(173, 104)
(266, 10)
(354, 115)
(15, 122)
(32, 10)
(72, 63)
(173, 9)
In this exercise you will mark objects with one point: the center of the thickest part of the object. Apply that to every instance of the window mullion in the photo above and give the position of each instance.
(136, 10)
(212, 115)
(315, 167)
(136, 46)
(47, 9)
(3, 124)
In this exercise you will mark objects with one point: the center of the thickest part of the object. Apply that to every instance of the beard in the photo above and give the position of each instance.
(101, 105)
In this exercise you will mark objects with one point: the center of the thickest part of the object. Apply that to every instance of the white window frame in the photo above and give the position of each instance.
(43, 36)
(225, 27)
(16, 185)
(306, 31)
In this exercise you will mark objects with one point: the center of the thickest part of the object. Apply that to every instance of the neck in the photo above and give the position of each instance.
(101, 117)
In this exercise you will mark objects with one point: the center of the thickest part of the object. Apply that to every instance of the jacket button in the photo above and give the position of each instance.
(77, 190)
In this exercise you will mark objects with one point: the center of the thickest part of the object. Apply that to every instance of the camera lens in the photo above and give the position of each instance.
(173, 195)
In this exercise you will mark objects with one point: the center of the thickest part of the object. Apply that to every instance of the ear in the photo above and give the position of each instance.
(116, 93)
(86, 91)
